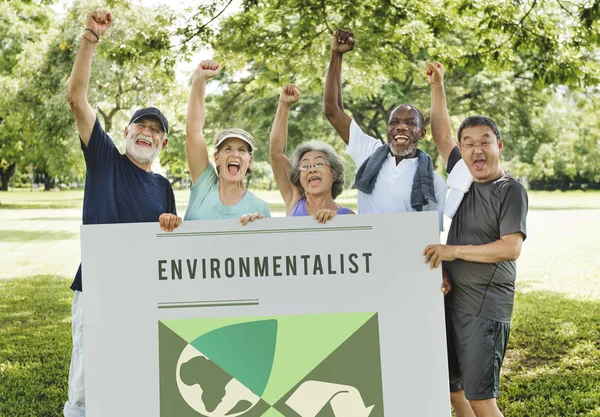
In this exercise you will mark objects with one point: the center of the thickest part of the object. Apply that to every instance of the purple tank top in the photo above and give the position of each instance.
(300, 209)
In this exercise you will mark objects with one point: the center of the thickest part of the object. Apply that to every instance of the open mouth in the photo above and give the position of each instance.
(479, 163)
(314, 181)
(144, 143)
(233, 168)
(400, 139)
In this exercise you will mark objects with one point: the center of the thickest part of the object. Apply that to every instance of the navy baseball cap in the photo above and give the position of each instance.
(152, 112)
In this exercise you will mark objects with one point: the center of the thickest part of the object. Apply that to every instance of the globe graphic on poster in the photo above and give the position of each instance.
(208, 389)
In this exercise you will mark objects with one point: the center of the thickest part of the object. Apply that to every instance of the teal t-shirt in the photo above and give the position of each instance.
(205, 203)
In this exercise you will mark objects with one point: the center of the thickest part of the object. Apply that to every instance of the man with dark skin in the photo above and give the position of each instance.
(394, 182)
(393, 185)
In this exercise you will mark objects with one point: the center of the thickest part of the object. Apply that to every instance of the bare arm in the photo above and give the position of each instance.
(98, 21)
(507, 248)
(441, 128)
(333, 108)
(279, 161)
(195, 145)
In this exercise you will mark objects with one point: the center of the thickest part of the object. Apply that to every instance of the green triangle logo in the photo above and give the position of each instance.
(348, 380)
(245, 351)
(206, 383)
(267, 354)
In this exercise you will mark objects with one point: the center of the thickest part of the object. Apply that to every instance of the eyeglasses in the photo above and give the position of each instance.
(317, 165)
(483, 145)
(153, 129)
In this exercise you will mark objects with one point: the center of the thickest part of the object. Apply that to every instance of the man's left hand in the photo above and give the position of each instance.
(435, 254)
(446, 285)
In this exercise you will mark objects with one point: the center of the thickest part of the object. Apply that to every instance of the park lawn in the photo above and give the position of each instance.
(28, 199)
(35, 346)
(538, 200)
(551, 367)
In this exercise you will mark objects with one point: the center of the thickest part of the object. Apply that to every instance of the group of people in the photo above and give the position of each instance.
(487, 206)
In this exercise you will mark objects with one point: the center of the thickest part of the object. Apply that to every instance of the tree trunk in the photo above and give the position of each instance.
(6, 175)
(48, 182)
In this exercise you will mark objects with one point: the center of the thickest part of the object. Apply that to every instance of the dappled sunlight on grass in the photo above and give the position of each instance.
(50, 219)
(538, 200)
(41, 199)
(34, 247)
(558, 200)
(35, 345)
(551, 367)
(561, 254)
(27, 235)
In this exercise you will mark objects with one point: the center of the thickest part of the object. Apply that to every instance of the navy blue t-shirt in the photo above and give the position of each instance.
(117, 190)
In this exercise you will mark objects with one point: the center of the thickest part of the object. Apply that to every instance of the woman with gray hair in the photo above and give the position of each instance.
(315, 176)
(218, 191)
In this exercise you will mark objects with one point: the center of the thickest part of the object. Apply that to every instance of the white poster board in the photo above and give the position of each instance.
(282, 317)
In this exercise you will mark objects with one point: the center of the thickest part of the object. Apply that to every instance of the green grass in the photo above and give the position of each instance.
(35, 346)
(559, 200)
(28, 235)
(538, 200)
(552, 366)
(41, 199)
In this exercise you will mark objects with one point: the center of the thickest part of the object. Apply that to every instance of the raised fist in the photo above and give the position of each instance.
(342, 41)
(207, 69)
(435, 73)
(99, 21)
(290, 94)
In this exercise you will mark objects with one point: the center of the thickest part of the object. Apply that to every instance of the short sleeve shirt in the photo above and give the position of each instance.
(488, 211)
(394, 183)
(117, 190)
(205, 203)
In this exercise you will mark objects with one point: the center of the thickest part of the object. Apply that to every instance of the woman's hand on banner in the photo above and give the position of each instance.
(247, 218)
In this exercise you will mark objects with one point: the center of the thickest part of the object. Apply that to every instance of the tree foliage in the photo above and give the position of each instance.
(506, 59)
(133, 68)
(22, 25)
(532, 65)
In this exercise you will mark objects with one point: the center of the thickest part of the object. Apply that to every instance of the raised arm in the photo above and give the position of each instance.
(441, 128)
(333, 108)
(195, 145)
(280, 163)
(96, 24)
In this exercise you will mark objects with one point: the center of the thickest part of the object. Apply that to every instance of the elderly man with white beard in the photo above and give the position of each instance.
(119, 188)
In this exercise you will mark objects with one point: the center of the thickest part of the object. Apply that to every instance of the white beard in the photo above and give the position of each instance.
(410, 149)
(141, 155)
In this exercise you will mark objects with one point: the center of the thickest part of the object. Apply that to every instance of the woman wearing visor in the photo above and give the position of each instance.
(218, 190)
(314, 177)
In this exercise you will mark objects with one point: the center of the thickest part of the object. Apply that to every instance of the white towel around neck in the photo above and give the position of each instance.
(459, 181)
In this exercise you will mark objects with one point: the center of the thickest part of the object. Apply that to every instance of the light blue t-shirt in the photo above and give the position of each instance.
(205, 203)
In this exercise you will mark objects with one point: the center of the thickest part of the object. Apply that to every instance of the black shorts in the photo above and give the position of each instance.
(476, 348)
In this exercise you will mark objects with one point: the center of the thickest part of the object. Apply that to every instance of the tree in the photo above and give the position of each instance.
(504, 59)
(134, 67)
(23, 24)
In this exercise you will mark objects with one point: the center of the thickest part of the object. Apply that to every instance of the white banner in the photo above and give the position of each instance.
(283, 317)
